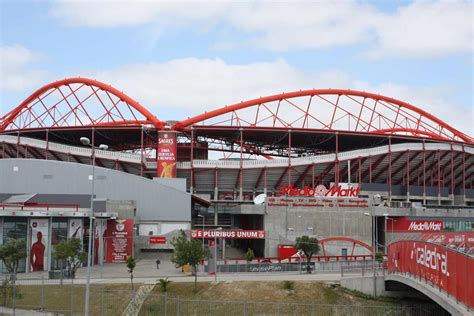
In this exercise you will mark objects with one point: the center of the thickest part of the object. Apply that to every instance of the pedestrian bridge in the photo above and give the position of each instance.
(443, 273)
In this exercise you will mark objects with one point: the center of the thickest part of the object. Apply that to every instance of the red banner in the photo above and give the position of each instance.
(231, 234)
(166, 153)
(157, 240)
(118, 240)
(403, 224)
(458, 239)
(450, 270)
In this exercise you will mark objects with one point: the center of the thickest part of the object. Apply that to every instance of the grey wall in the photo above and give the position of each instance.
(154, 201)
(324, 221)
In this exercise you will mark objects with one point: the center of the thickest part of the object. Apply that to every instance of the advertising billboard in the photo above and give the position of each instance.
(441, 266)
(166, 153)
(39, 244)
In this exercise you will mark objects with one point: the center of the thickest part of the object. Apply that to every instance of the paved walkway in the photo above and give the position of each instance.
(146, 272)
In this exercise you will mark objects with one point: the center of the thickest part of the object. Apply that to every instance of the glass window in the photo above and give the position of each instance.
(58, 234)
(15, 228)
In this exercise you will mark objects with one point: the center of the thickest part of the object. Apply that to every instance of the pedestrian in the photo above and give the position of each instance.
(158, 263)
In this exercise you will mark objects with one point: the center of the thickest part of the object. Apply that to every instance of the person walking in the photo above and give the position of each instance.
(158, 263)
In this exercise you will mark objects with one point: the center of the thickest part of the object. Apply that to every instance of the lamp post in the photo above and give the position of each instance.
(86, 142)
(215, 253)
(389, 219)
(373, 248)
(203, 228)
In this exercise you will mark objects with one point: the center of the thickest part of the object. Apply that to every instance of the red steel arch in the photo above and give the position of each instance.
(346, 239)
(362, 111)
(77, 102)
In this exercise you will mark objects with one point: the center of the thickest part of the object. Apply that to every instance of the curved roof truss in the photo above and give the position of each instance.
(331, 109)
(77, 102)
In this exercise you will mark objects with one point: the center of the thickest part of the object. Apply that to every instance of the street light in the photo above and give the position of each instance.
(373, 248)
(215, 253)
(203, 228)
(86, 142)
(390, 219)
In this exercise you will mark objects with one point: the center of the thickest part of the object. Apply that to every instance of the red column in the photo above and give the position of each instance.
(241, 165)
(408, 175)
(424, 172)
(289, 157)
(452, 172)
(336, 161)
(370, 169)
(47, 144)
(439, 176)
(390, 168)
(464, 174)
(141, 152)
(192, 162)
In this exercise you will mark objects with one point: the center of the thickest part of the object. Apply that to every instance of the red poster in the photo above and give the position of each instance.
(231, 234)
(118, 240)
(166, 153)
(403, 224)
(157, 240)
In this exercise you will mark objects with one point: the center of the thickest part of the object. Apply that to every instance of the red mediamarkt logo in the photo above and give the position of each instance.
(318, 191)
(426, 225)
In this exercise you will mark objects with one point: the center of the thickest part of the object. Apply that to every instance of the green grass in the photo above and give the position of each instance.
(69, 299)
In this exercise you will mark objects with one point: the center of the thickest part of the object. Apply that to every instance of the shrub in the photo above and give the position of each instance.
(164, 284)
(289, 285)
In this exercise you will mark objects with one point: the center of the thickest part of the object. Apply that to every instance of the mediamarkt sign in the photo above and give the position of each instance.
(232, 234)
(319, 191)
(403, 224)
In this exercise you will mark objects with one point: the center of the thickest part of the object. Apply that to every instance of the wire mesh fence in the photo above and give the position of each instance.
(66, 297)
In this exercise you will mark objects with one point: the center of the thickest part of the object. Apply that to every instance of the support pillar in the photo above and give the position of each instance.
(191, 186)
(408, 176)
(336, 162)
(390, 169)
(241, 193)
(424, 173)
(289, 158)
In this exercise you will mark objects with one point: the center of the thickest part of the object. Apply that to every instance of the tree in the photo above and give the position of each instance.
(188, 252)
(379, 257)
(70, 253)
(131, 264)
(249, 255)
(12, 252)
(309, 246)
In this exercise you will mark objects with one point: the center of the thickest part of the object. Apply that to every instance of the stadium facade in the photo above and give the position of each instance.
(334, 164)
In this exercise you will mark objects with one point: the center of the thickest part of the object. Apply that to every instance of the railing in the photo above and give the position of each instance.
(233, 164)
(439, 266)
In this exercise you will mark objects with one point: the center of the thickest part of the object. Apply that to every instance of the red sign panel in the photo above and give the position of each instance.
(403, 224)
(231, 234)
(118, 240)
(166, 154)
(445, 268)
(157, 240)
(318, 191)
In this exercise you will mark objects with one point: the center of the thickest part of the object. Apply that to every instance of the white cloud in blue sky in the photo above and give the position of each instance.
(195, 56)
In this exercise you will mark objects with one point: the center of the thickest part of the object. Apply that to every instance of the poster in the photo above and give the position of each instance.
(166, 154)
(75, 229)
(118, 240)
(39, 244)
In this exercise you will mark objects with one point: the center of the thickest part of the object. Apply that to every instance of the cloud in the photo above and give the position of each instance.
(170, 88)
(419, 29)
(16, 73)
(426, 29)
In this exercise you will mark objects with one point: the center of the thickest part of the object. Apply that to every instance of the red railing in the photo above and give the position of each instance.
(449, 270)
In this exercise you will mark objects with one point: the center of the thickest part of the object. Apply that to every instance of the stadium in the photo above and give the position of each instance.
(352, 168)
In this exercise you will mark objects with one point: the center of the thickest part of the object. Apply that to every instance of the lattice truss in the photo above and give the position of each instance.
(326, 111)
(71, 105)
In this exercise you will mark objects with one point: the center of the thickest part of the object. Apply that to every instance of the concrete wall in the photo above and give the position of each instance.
(320, 222)
(154, 201)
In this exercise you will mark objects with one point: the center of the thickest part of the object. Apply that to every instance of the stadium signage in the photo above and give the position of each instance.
(318, 191)
(403, 224)
(231, 234)
(431, 258)
(157, 240)
(166, 154)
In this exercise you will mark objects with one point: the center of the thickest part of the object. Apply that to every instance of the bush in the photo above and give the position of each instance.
(289, 285)
(164, 284)
(249, 255)
(379, 256)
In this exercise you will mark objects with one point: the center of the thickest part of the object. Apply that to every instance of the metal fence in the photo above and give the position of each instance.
(65, 297)
(323, 266)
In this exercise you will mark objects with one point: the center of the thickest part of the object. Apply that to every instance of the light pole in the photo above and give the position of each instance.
(203, 228)
(215, 253)
(86, 142)
(389, 219)
(373, 248)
